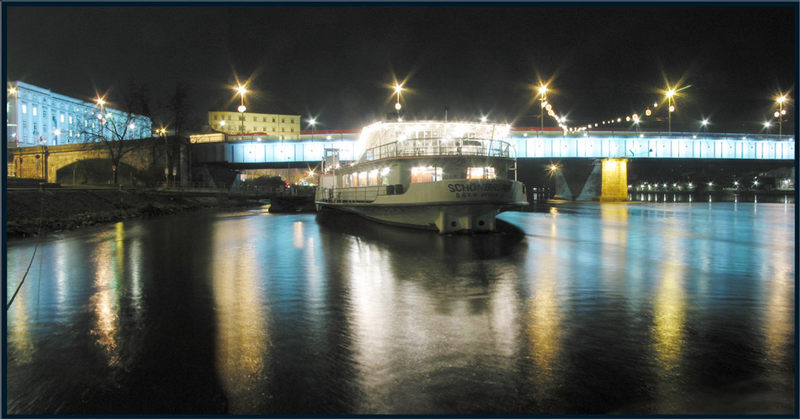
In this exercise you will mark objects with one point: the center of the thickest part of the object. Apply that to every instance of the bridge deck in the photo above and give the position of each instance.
(527, 144)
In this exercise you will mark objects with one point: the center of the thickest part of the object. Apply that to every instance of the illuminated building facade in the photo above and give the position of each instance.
(37, 116)
(284, 126)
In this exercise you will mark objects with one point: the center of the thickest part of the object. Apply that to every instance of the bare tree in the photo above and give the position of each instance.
(116, 130)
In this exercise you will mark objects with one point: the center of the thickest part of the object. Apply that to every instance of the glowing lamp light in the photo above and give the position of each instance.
(628, 119)
(671, 108)
(57, 132)
(781, 99)
(398, 88)
(241, 90)
(776, 114)
(222, 123)
(100, 101)
(704, 122)
(783, 112)
(483, 118)
(397, 106)
(655, 104)
(670, 93)
(241, 108)
(648, 112)
(132, 126)
(767, 124)
(619, 119)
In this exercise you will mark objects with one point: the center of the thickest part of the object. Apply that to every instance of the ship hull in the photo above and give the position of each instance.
(447, 206)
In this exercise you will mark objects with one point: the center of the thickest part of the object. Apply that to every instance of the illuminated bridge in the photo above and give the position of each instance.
(254, 150)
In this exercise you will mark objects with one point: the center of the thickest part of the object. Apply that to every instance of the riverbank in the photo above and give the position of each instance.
(31, 211)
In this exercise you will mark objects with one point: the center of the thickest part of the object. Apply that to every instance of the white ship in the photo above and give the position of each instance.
(447, 176)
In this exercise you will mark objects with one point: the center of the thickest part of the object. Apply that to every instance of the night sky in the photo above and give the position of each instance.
(337, 63)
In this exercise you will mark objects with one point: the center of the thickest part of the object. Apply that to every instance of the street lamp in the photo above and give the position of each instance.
(240, 90)
(543, 100)
(397, 106)
(163, 133)
(670, 93)
(779, 114)
(313, 122)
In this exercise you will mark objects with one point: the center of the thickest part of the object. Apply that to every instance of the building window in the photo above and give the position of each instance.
(34, 111)
(273, 119)
(283, 120)
(229, 117)
(62, 117)
(70, 119)
(264, 119)
(24, 108)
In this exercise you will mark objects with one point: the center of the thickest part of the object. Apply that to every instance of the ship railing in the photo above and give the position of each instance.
(435, 147)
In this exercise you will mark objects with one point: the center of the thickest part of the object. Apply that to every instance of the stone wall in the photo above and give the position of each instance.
(43, 162)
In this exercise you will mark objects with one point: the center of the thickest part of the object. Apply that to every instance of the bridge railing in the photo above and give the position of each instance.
(656, 135)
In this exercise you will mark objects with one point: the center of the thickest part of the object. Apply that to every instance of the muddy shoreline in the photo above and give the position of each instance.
(45, 210)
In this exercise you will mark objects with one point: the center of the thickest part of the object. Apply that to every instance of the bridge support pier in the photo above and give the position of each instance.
(614, 186)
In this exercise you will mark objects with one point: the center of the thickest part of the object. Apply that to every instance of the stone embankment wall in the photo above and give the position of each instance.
(30, 211)
(44, 162)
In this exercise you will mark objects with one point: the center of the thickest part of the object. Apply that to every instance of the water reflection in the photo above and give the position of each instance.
(544, 314)
(422, 306)
(241, 315)
(108, 260)
(640, 308)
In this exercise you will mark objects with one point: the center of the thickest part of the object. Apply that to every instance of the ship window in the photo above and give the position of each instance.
(372, 177)
(362, 179)
(384, 176)
(481, 173)
(426, 174)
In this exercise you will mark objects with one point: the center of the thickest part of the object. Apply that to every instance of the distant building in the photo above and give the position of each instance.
(282, 125)
(37, 116)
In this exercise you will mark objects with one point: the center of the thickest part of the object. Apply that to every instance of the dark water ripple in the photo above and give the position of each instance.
(638, 308)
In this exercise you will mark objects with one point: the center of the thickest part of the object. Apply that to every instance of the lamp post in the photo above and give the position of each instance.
(779, 114)
(670, 94)
(312, 122)
(240, 90)
(543, 100)
(163, 132)
(397, 106)
(102, 117)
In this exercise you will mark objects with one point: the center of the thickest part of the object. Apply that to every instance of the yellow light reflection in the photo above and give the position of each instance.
(108, 260)
(669, 309)
(778, 273)
(20, 344)
(544, 316)
(242, 339)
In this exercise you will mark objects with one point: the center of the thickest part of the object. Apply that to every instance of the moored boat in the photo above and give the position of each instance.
(447, 176)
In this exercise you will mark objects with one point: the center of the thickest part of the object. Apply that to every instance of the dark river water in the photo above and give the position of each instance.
(579, 308)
